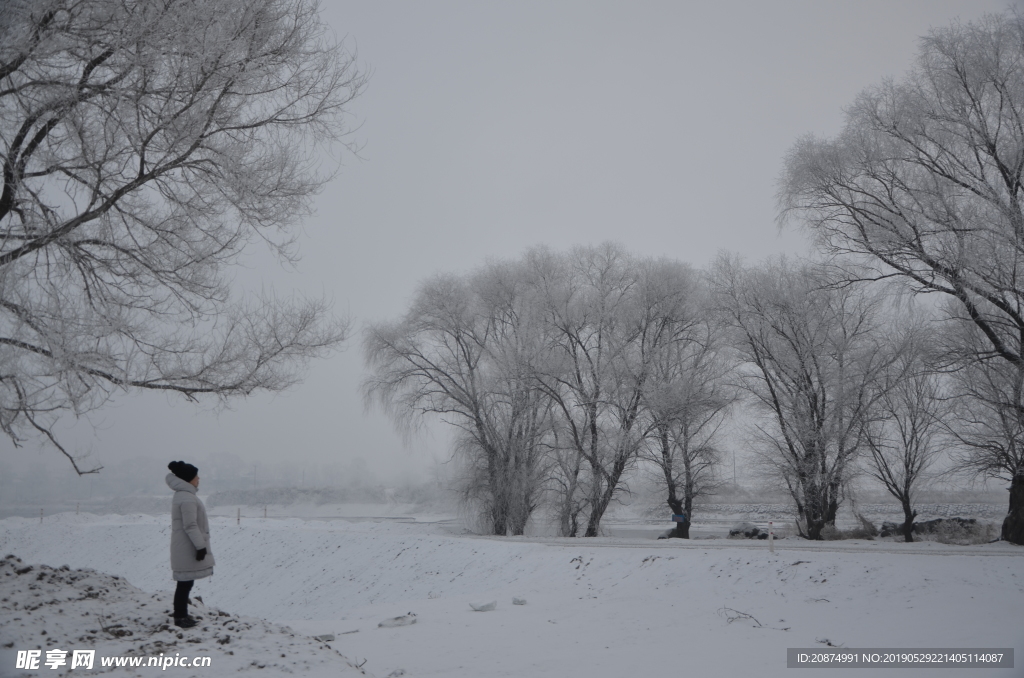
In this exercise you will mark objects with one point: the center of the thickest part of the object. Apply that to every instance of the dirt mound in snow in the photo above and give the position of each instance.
(45, 608)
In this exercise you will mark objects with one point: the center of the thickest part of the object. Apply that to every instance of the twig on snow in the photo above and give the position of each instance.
(732, 615)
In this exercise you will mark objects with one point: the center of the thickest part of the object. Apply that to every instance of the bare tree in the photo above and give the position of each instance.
(926, 182)
(567, 479)
(143, 145)
(542, 364)
(811, 350)
(686, 400)
(553, 293)
(904, 433)
(459, 354)
(987, 420)
(521, 414)
(607, 315)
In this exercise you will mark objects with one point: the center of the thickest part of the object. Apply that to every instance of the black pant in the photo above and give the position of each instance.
(181, 598)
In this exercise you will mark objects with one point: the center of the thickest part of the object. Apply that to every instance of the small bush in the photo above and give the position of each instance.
(785, 530)
(965, 534)
(860, 533)
(831, 533)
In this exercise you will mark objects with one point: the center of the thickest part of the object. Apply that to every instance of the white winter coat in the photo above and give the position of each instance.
(190, 531)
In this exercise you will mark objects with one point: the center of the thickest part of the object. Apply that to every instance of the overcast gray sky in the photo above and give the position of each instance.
(488, 128)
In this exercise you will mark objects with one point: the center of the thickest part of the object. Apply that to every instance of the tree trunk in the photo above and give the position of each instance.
(832, 502)
(908, 520)
(519, 516)
(498, 524)
(601, 499)
(814, 527)
(498, 508)
(1013, 524)
(681, 530)
(815, 510)
(569, 508)
(573, 525)
(599, 504)
(817, 519)
(594, 519)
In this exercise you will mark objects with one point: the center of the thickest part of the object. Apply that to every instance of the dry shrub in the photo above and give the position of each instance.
(785, 530)
(951, 532)
(832, 533)
(868, 527)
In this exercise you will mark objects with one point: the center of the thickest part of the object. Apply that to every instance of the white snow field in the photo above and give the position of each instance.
(595, 608)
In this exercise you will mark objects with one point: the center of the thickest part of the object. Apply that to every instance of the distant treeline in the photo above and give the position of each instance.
(284, 496)
(568, 374)
(901, 344)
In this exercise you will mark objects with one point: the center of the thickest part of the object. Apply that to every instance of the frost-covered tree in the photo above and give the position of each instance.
(520, 414)
(459, 354)
(607, 315)
(926, 183)
(686, 400)
(543, 365)
(811, 353)
(987, 420)
(904, 433)
(143, 145)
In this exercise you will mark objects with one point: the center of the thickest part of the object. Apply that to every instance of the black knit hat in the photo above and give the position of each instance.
(184, 471)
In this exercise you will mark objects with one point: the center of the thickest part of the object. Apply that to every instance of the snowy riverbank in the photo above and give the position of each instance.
(595, 608)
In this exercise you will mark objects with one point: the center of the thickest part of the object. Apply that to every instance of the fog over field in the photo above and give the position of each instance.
(486, 130)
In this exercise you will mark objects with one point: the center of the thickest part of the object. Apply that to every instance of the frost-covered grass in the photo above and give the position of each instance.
(594, 607)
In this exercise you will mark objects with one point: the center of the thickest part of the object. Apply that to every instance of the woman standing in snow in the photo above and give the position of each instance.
(191, 557)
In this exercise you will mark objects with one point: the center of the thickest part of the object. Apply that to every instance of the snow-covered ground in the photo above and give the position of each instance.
(56, 611)
(611, 606)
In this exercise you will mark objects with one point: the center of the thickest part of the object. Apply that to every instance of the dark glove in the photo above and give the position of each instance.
(200, 554)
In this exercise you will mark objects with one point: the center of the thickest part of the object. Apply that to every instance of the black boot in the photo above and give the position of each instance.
(181, 601)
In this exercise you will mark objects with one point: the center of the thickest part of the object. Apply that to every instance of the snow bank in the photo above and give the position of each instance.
(45, 608)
